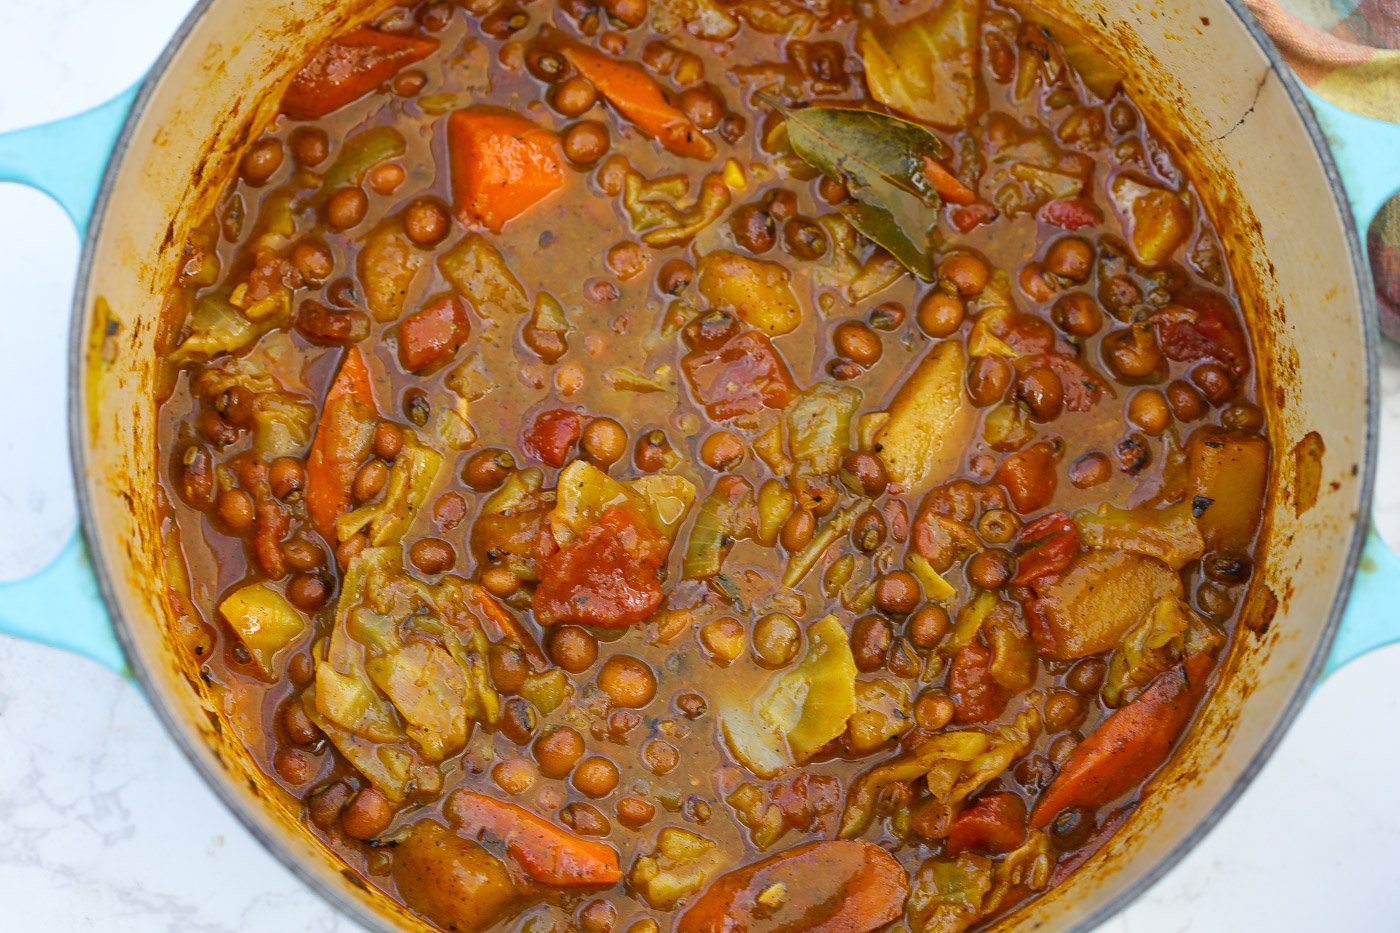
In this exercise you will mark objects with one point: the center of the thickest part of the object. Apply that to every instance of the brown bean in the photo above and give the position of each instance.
(297, 723)
(1092, 469)
(573, 648)
(990, 569)
(776, 639)
(628, 681)
(998, 526)
(486, 469)
(1071, 258)
(388, 440)
(868, 532)
(500, 581)
(308, 591)
(586, 142)
(432, 555)
(385, 179)
(1186, 403)
(236, 511)
(1086, 676)
(797, 530)
(1148, 410)
(660, 756)
(898, 593)
(722, 450)
(312, 258)
(596, 777)
(573, 96)
(703, 105)
(753, 228)
(940, 314)
(286, 476)
(302, 554)
(832, 190)
(261, 161)
(1077, 314)
(674, 276)
(1064, 709)
(585, 819)
(310, 145)
(933, 709)
(634, 812)
(631, 12)
(368, 815)
(804, 239)
(346, 208)
(369, 481)
(1043, 393)
(989, 380)
(865, 473)
(927, 627)
(427, 222)
(294, 765)
(871, 637)
(1133, 354)
(857, 342)
(653, 451)
(603, 441)
(557, 750)
(966, 272)
(1214, 382)
(325, 804)
(627, 259)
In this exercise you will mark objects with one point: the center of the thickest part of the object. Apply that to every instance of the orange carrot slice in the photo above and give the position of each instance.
(342, 442)
(348, 68)
(547, 853)
(502, 165)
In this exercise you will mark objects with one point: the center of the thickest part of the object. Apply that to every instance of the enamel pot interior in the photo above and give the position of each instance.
(1195, 67)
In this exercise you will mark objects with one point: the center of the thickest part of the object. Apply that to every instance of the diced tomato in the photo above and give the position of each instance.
(609, 578)
(995, 824)
(1201, 324)
(976, 696)
(348, 68)
(552, 434)
(742, 377)
(502, 165)
(1072, 213)
(1029, 477)
(1050, 544)
(1082, 387)
(429, 338)
(1127, 746)
(1026, 333)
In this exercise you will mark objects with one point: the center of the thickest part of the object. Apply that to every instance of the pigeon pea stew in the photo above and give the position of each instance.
(699, 465)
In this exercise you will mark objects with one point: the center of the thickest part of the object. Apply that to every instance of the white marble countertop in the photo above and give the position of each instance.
(103, 825)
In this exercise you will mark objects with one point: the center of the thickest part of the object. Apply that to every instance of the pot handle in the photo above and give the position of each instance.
(61, 605)
(1367, 153)
(1372, 616)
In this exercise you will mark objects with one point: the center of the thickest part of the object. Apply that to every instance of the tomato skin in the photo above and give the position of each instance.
(1072, 213)
(995, 824)
(740, 378)
(349, 67)
(1202, 325)
(609, 578)
(552, 435)
(1050, 544)
(429, 338)
(976, 696)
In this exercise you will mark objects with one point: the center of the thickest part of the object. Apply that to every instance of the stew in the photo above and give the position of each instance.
(710, 464)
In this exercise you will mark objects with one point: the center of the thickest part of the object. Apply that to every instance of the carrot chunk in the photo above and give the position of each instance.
(638, 97)
(1129, 745)
(348, 68)
(502, 165)
(343, 439)
(547, 853)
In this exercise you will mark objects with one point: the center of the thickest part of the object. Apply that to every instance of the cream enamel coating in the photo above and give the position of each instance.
(1290, 245)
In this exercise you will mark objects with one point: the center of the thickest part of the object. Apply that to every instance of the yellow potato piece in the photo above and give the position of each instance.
(758, 293)
(931, 420)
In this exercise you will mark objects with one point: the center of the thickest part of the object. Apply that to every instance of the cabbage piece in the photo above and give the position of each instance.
(386, 767)
(1169, 534)
(953, 764)
(410, 481)
(928, 67)
(264, 622)
(1028, 868)
(283, 422)
(883, 711)
(728, 514)
(1171, 632)
(584, 492)
(216, 326)
(682, 863)
(479, 273)
(947, 895)
(819, 425)
(662, 212)
(800, 710)
(1097, 601)
(1157, 220)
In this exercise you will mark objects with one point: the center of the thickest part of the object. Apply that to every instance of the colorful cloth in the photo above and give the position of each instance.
(1348, 52)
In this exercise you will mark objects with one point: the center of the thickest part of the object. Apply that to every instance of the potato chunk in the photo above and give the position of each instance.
(931, 420)
(452, 881)
(1089, 609)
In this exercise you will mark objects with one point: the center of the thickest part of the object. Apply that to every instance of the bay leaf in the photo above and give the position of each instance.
(881, 159)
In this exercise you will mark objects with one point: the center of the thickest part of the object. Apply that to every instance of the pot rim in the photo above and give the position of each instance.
(217, 781)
